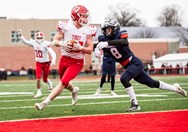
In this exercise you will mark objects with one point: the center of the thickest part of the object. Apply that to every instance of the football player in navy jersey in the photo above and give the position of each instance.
(119, 49)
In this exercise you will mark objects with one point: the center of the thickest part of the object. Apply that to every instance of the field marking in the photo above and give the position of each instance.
(93, 103)
(101, 96)
(16, 93)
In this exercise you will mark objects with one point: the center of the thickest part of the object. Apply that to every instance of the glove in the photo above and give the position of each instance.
(68, 45)
(102, 45)
(19, 32)
(77, 47)
(97, 53)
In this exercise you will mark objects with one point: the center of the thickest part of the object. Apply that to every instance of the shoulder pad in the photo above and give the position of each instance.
(93, 29)
(61, 25)
(123, 34)
(101, 38)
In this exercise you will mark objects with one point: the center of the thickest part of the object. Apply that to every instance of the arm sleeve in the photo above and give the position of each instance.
(53, 54)
(118, 41)
(25, 41)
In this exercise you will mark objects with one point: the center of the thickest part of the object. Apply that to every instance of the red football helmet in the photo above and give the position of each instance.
(80, 14)
(39, 37)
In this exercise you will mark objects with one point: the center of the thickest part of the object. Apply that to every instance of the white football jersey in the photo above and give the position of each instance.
(71, 32)
(41, 50)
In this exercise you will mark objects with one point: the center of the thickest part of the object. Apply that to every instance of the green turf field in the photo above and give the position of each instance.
(16, 99)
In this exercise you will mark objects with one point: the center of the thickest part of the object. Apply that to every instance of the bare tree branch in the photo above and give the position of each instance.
(170, 16)
(125, 16)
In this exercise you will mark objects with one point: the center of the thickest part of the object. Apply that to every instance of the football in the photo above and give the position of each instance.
(71, 44)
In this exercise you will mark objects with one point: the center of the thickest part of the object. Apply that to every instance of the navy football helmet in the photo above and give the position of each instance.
(112, 23)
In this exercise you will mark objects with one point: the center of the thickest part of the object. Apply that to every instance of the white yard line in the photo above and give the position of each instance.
(93, 103)
(101, 96)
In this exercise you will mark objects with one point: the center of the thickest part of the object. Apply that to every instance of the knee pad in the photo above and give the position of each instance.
(125, 82)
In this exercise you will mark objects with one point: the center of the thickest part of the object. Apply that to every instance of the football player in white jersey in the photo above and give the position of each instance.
(75, 37)
(41, 48)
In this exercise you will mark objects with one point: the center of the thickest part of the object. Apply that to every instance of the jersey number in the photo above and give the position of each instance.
(115, 53)
(38, 53)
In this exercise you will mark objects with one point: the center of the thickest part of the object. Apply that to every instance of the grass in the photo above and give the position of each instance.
(16, 99)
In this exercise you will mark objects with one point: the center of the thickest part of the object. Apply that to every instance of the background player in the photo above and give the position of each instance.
(108, 63)
(41, 48)
(119, 49)
(77, 41)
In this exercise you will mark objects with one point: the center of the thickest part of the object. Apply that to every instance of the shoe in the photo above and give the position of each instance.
(133, 107)
(38, 95)
(50, 85)
(40, 106)
(180, 90)
(113, 93)
(99, 91)
(75, 95)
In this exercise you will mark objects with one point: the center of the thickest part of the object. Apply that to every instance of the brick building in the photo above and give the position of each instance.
(14, 54)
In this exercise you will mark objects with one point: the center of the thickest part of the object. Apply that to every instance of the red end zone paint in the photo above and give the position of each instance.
(173, 121)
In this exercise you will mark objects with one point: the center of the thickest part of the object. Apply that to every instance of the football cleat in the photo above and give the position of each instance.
(99, 91)
(38, 95)
(40, 106)
(180, 90)
(75, 95)
(113, 93)
(133, 107)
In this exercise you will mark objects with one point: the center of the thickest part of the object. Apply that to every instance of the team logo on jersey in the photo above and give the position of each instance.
(76, 37)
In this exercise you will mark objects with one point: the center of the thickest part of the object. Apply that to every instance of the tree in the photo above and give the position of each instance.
(125, 16)
(182, 34)
(170, 16)
(146, 33)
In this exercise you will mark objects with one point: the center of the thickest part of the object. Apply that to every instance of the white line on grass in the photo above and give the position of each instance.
(17, 93)
(101, 96)
(93, 103)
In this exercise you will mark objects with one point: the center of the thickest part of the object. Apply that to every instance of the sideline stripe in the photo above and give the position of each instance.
(83, 116)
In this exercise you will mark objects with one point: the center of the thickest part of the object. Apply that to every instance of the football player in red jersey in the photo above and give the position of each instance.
(115, 43)
(41, 48)
(77, 36)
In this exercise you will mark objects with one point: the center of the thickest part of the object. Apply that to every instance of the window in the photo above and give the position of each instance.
(14, 37)
(33, 33)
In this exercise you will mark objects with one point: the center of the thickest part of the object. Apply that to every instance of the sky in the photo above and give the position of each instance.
(149, 10)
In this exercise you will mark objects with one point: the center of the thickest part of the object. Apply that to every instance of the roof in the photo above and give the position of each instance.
(171, 57)
(161, 32)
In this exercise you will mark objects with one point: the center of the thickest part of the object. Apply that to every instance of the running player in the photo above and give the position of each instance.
(119, 49)
(41, 48)
(77, 36)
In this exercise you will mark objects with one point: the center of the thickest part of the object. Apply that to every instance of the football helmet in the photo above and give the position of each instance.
(80, 14)
(39, 37)
(110, 23)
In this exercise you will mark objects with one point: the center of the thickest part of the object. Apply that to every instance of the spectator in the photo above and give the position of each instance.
(30, 73)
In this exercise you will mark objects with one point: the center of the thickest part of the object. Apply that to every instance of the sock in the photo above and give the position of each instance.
(131, 93)
(39, 91)
(47, 100)
(166, 86)
(74, 90)
(49, 83)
